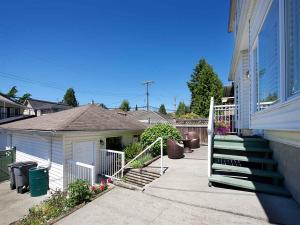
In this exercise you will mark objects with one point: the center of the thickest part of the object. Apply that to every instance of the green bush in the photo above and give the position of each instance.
(190, 116)
(78, 192)
(47, 210)
(132, 150)
(138, 163)
(165, 131)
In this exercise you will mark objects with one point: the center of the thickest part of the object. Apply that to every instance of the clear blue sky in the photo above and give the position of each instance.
(106, 49)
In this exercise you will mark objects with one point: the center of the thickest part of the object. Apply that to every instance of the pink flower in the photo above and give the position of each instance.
(109, 180)
(102, 187)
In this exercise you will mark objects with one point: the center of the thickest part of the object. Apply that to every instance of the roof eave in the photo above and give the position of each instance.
(232, 12)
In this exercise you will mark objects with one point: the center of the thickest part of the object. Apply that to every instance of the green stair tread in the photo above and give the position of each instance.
(244, 158)
(245, 170)
(242, 148)
(235, 138)
(250, 185)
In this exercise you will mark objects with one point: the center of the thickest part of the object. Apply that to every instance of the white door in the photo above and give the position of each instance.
(84, 152)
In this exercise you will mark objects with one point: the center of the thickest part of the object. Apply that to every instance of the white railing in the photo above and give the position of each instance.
(210, 132)
(115, 175)
(226, 114)
(110, 162)
(78, 170)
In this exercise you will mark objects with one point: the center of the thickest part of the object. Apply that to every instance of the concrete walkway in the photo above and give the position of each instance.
(182, 196)
(14, 206)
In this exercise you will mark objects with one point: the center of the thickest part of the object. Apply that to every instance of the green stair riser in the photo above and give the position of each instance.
(249, 185)
(248, 171)
(245, 159)
(242, 144)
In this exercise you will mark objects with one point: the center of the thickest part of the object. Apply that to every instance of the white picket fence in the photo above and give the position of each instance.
(78, 170)
(111, 161)
(226, 114)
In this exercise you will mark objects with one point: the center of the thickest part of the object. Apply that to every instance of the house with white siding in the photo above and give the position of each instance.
(265, 68)
(74, 143)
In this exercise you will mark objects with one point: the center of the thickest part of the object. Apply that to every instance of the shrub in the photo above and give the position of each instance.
(139, 163)
(165, 131)
(78, 192)
(47, 210)
(132, 150)
(222, 128)
(190, 116)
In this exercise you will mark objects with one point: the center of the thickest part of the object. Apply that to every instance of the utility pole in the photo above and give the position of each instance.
(147, 91)
(175, 104)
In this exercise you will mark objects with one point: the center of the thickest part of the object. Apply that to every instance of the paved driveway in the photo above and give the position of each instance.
(182, 196)
(14, 206)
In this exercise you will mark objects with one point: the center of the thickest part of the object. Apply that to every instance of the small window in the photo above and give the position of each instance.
(114, 143)
(293, 46)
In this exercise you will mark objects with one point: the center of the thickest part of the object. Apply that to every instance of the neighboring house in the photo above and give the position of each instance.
(40, 107)
(228, 95)
(77, 134)
(265, 68)
(150, 117)
(10, 108)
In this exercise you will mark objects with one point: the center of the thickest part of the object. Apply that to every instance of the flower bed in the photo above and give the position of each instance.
(62, 204)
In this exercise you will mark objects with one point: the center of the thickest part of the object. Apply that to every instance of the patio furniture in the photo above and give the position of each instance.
(187, 145)
(195, 140)
(174, 149)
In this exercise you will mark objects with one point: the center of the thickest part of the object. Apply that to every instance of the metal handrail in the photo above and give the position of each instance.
(210, 131)
(142, 152)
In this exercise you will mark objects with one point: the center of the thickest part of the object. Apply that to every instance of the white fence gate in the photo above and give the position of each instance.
(111, 162)
(226, 115)
(78, 170)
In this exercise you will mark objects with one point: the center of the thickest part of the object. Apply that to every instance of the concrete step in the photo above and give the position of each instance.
(244, 158)
(243, 148)
(249, 185)
(137, 176)
(248, 171)
(144, 173)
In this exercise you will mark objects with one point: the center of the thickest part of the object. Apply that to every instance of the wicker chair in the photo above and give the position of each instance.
(174, 149)
(195, 140)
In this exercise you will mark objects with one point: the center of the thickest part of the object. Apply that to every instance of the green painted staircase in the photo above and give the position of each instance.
(245, 163)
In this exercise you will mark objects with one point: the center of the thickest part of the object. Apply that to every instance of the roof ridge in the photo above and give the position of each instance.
(76, 116)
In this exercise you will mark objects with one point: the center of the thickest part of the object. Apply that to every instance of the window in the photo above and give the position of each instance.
(292, 46)
(268, 59)
(114, 143)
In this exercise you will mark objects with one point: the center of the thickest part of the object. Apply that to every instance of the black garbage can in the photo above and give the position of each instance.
(12, 174)
(22, 175)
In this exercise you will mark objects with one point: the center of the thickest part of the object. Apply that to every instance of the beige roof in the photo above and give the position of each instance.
(84, 118)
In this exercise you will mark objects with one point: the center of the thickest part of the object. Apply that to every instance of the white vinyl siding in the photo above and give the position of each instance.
(77, 137)
(36, 148)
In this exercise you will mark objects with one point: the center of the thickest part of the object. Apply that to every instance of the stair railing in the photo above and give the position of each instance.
(210, 132)
(114, 176)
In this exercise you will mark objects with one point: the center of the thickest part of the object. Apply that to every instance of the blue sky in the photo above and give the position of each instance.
(106, 49)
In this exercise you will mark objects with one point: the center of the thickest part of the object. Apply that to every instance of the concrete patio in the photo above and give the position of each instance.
(182, 196)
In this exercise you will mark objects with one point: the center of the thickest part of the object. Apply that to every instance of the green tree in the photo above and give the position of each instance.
(12, 92)
(24, 97)
(204, 84)
(70, 98)
(181, 109)
(125, 105)
(162, 109)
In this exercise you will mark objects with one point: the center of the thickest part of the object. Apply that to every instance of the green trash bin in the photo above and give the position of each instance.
(38, 181)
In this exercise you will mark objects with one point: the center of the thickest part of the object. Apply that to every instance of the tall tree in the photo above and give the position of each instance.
(125, 105)
(181, 109)
(162, 109)
(12, 92)
(204, 84)
(24, 97)
(70, 98)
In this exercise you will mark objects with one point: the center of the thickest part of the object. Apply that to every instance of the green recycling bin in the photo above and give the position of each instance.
(38, 181)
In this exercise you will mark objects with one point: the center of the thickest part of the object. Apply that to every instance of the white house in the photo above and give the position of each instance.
(265, 68)
(72, 143)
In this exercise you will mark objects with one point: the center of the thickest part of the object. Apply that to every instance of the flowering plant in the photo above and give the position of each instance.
(222, 128)
(98, 188)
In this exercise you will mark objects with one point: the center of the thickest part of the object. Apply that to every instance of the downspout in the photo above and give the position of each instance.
(50, 151)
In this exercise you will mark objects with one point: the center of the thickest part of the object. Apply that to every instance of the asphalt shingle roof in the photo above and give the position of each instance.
(41, 104)
(84, 118)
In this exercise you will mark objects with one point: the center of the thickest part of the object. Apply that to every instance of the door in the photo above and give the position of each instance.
(6, 157)
(84, 152)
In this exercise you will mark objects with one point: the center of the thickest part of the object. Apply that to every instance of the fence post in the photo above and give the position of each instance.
(93, 175)
(123, 163)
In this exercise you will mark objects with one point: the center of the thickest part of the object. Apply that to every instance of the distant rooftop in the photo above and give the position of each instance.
(37, 104)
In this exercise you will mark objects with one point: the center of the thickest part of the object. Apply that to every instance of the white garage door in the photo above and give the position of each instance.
(84, 152)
